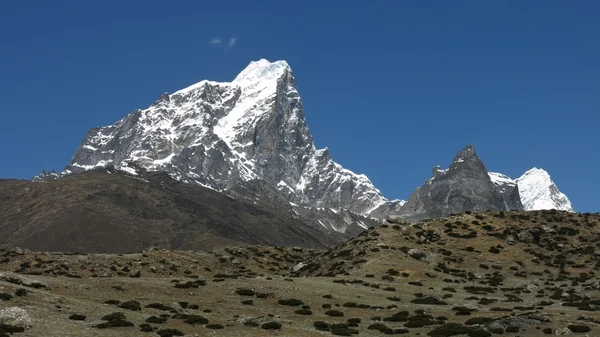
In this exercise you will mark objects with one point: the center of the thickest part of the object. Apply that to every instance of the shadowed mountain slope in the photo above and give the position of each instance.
(107, 211)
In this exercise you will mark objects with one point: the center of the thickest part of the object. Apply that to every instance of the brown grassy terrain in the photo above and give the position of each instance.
(104, 212)
(488, 274)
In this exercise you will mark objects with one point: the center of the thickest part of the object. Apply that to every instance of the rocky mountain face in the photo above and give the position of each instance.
(464, 186)
(220, 134)
(345, 223)
(508, 189)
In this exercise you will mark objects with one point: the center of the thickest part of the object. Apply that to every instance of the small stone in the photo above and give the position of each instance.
(135, 273)
(17, 251)
(299, 266)
(416, 254)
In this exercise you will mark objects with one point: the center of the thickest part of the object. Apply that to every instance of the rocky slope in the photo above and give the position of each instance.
(528, 274)
(105, 210)
(220, 134)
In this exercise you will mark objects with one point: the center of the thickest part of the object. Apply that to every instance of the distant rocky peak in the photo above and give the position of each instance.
(468, 153)
(46, 176)
(465, 186)
(467, 163)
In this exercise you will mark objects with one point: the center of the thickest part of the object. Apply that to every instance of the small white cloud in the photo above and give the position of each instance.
(232, 41)
(215, 41)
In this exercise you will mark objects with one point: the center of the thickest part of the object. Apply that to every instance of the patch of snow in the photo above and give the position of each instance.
(501, 179)
(129, 170)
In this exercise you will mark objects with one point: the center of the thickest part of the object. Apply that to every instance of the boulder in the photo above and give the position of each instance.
(15, 317)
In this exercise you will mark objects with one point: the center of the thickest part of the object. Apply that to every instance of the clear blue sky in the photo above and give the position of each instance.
(391, 87)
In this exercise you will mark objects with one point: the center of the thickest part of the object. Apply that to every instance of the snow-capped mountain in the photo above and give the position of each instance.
(536, 189)
(219, 134)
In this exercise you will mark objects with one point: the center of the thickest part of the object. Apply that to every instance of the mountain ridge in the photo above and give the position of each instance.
(221, 134)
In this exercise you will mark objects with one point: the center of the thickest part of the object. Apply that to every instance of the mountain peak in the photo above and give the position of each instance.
(465, 154)
(465, 186)
(538, 191)
(537, 172)
(262, 70)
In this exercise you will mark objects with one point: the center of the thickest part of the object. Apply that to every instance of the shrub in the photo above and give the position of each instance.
(131, 305)
(195, 319)
(215, 326)
(320, 325)
(395, 319)
(420, 320)
(381, 328)
(494, 250)
(169, 333)
(479, 320)
(291, 302)
(21, 292)
(146, 327)
(578, 328)
(156, 320)
(353, 322)
(303, 312)
(77, 317)
(245, 292)
(159, 306)
(344, 332)
(334, 313)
